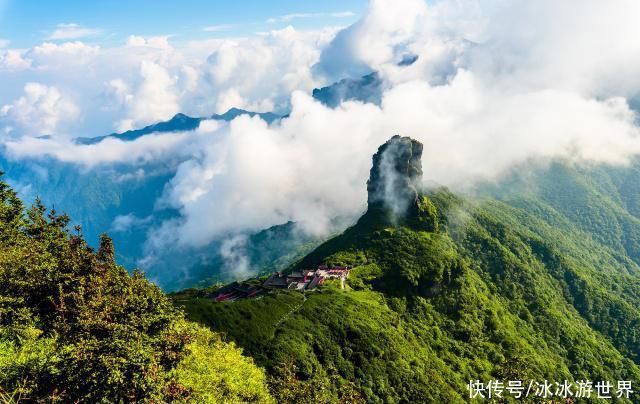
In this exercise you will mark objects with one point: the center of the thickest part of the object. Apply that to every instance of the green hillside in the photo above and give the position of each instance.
(535, 279)
(76, 327)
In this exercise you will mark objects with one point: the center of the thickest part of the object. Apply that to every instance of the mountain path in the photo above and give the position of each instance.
(290, 313)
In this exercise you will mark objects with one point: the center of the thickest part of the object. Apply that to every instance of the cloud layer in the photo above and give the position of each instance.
(495, 84)
(39, 111)
(147, 79)
(71, 31)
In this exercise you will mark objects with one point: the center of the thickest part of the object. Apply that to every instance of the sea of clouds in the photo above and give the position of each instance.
(496, 83)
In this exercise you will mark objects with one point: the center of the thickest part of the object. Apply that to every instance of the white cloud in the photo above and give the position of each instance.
(146, 149)
(296, 16)
(481, 97)
(158, 42)
(576, 51)
(218, 28)
(65, 49)
(198, 80)
(13, 60)
(154, 99)
(71, 31)
(492, 88)
(342, 14)
(289, 17)
(375, 40)
(263, 71)
(228, 99)
(125, 223)
(234, 252)
(39, 111)
(307, 170)
(4, 43)
(135, 40)
(118, 91)
(48, 56)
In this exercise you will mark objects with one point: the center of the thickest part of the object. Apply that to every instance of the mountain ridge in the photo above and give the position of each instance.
(179, 122)
(507, 286)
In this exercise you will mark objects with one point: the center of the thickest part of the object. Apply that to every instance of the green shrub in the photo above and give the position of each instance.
(75, 326)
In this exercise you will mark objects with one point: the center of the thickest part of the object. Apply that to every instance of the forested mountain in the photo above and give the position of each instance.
(338, 202)
(536, 277)
(76, 327)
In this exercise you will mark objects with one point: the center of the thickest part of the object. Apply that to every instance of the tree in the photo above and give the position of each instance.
(75, 326)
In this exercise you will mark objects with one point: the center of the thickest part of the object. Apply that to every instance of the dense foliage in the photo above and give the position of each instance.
(538, 279)
(75, 326)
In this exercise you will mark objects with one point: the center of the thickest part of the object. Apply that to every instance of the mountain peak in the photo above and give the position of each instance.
(234, 112)
(180, 116)
(394, 176)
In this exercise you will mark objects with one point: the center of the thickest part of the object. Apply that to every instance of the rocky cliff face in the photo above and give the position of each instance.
(396, 171)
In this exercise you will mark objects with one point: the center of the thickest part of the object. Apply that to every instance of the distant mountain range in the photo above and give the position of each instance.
(365, 89)
(95, 198)
(179, 123)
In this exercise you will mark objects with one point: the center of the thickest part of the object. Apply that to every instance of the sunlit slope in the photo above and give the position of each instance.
(510, 285)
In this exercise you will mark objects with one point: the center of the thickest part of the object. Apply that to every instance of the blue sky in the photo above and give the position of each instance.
(28, 22)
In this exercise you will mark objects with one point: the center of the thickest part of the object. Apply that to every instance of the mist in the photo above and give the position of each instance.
(494, 84)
